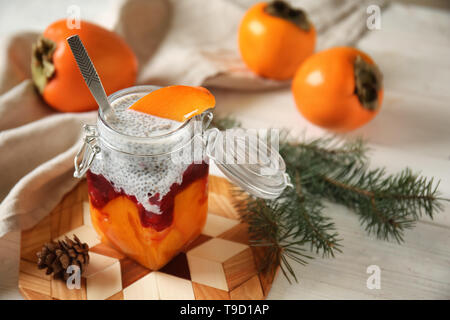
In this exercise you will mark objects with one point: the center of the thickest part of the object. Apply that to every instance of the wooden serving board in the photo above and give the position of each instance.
(219, 264)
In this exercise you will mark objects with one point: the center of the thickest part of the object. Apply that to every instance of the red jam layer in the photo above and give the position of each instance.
(101, 191)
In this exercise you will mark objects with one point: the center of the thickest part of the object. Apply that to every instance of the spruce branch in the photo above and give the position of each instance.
(334, 170)
(304, 212)
(338, 171)
(270, 229)
(224, 123)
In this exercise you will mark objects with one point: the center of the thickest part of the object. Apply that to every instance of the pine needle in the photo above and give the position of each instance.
(334, 170)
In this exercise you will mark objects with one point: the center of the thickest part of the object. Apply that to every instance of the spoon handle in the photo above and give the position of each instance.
(90, 75)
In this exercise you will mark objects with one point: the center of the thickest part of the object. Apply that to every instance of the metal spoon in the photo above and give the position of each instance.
(90, 76)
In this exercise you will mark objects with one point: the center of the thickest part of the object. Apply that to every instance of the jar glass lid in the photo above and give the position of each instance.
(250, 160)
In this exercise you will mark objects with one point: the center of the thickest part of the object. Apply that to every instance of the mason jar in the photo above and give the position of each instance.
(148, 195)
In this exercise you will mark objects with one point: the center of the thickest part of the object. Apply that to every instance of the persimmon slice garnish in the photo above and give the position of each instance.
(177, 103)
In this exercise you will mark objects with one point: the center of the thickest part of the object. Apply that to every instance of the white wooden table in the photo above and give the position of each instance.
(413, 129)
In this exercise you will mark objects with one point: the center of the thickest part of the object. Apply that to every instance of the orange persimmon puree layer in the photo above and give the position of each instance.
(119, 225)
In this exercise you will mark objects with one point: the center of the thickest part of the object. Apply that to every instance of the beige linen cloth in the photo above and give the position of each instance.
(189, 42)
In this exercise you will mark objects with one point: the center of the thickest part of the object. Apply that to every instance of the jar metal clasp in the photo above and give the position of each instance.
(87, 152)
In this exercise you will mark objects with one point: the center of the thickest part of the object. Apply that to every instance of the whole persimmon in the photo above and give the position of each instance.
(338, 89)
(274, 39)
(56, 74)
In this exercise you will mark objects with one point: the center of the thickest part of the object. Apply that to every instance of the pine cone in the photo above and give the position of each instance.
(58, 256)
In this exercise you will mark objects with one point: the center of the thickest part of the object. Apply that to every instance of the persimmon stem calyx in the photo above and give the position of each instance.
(42, 68)
(284, 11)
(368, 82)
